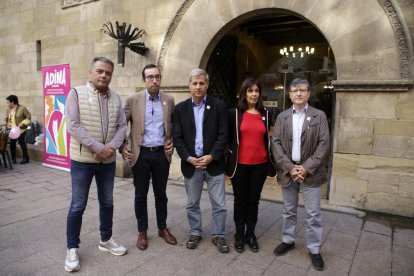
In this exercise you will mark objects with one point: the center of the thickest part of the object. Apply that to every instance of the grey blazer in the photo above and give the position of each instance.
(314, 146)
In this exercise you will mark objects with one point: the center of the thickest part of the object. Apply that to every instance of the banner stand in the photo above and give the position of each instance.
(56, 87)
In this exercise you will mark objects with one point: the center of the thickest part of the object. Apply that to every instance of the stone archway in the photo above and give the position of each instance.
(373, 53)
(363, 62)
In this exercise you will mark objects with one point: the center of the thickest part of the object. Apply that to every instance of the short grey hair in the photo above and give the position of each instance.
(103, 59)
(299, 81)
(198, 72)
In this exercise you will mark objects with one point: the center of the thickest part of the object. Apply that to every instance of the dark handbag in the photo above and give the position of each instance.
(3, 140)
(271, 166)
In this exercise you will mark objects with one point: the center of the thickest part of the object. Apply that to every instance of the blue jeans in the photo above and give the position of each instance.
(215, 187)
(82, 175)
(312, 202)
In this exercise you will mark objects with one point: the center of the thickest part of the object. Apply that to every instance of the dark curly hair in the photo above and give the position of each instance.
(13, 99)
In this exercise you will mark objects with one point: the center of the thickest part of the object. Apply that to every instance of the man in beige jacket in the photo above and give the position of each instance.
(148, 151)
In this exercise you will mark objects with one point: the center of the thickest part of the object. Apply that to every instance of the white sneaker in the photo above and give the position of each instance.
(72, 260)
(111, 246)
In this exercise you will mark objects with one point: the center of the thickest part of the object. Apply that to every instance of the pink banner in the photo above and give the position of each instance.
(56, 87)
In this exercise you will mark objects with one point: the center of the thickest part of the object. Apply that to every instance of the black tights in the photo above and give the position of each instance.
(247, 187)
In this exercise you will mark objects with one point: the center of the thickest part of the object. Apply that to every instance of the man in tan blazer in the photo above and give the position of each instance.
(148, 151)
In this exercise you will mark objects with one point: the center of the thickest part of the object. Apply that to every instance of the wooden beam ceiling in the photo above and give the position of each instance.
(282, 29)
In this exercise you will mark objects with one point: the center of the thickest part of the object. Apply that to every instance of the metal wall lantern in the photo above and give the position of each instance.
(125, 35)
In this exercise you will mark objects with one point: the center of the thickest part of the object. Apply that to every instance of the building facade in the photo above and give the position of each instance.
(366, 69)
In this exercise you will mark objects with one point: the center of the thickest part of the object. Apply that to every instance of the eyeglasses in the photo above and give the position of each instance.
(299, 91)
(152, 77)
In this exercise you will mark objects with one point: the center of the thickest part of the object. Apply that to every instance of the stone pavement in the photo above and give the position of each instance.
(33, 205)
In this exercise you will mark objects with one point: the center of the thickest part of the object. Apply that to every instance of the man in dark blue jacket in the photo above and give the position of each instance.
(200, 137)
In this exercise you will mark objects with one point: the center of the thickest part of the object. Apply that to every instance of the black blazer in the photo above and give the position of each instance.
(214, 134)
(234, 133)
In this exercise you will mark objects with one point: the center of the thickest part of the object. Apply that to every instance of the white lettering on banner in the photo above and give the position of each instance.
(56, 77)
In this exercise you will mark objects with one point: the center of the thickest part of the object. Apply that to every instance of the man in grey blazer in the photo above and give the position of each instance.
(300, 144)
(148, 151)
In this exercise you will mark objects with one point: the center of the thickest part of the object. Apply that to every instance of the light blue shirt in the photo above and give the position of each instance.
(198, 118)
(298, 117)
(154, 123)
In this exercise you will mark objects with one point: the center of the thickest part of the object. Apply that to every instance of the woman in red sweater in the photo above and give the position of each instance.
(248, 160)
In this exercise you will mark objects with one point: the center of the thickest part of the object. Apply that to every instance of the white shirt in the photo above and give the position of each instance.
(298, 117)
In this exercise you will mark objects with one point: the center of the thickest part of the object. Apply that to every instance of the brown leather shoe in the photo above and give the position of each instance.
(167, 236)
(142, 242)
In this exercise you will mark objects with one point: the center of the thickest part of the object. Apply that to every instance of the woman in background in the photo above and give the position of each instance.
(18, 116)
(248, 160)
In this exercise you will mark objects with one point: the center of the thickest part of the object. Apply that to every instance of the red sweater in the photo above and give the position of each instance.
(252, 149)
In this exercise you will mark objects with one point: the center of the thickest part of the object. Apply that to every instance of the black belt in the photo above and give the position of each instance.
(296, 162)
(152, 148)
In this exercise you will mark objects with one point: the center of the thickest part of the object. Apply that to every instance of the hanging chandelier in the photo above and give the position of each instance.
(299, 52)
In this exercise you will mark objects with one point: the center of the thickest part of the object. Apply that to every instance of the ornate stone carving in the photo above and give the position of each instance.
(69, 3)
(171, 29)
(400, 32)
(372, 85)
(168, 89)
(176, 89)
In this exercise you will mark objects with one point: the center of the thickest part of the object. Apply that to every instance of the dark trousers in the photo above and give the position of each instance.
(156, 166)
(22, 144)
(247, 186)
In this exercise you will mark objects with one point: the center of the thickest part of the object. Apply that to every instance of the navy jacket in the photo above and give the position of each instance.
(215, 133)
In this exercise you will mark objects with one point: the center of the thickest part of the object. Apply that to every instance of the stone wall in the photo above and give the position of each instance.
(373, 140)
(373, 165)
(73, 35)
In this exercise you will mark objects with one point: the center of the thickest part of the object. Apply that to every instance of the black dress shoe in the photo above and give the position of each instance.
(283, 248)
(253, 245)
(239, 244)
(317, 261)
(24, 161)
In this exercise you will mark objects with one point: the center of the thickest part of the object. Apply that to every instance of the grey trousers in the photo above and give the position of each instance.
(312, 201)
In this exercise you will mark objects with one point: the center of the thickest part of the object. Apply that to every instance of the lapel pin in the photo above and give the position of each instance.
(263, 118)
(308, 118)
(208, 107)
